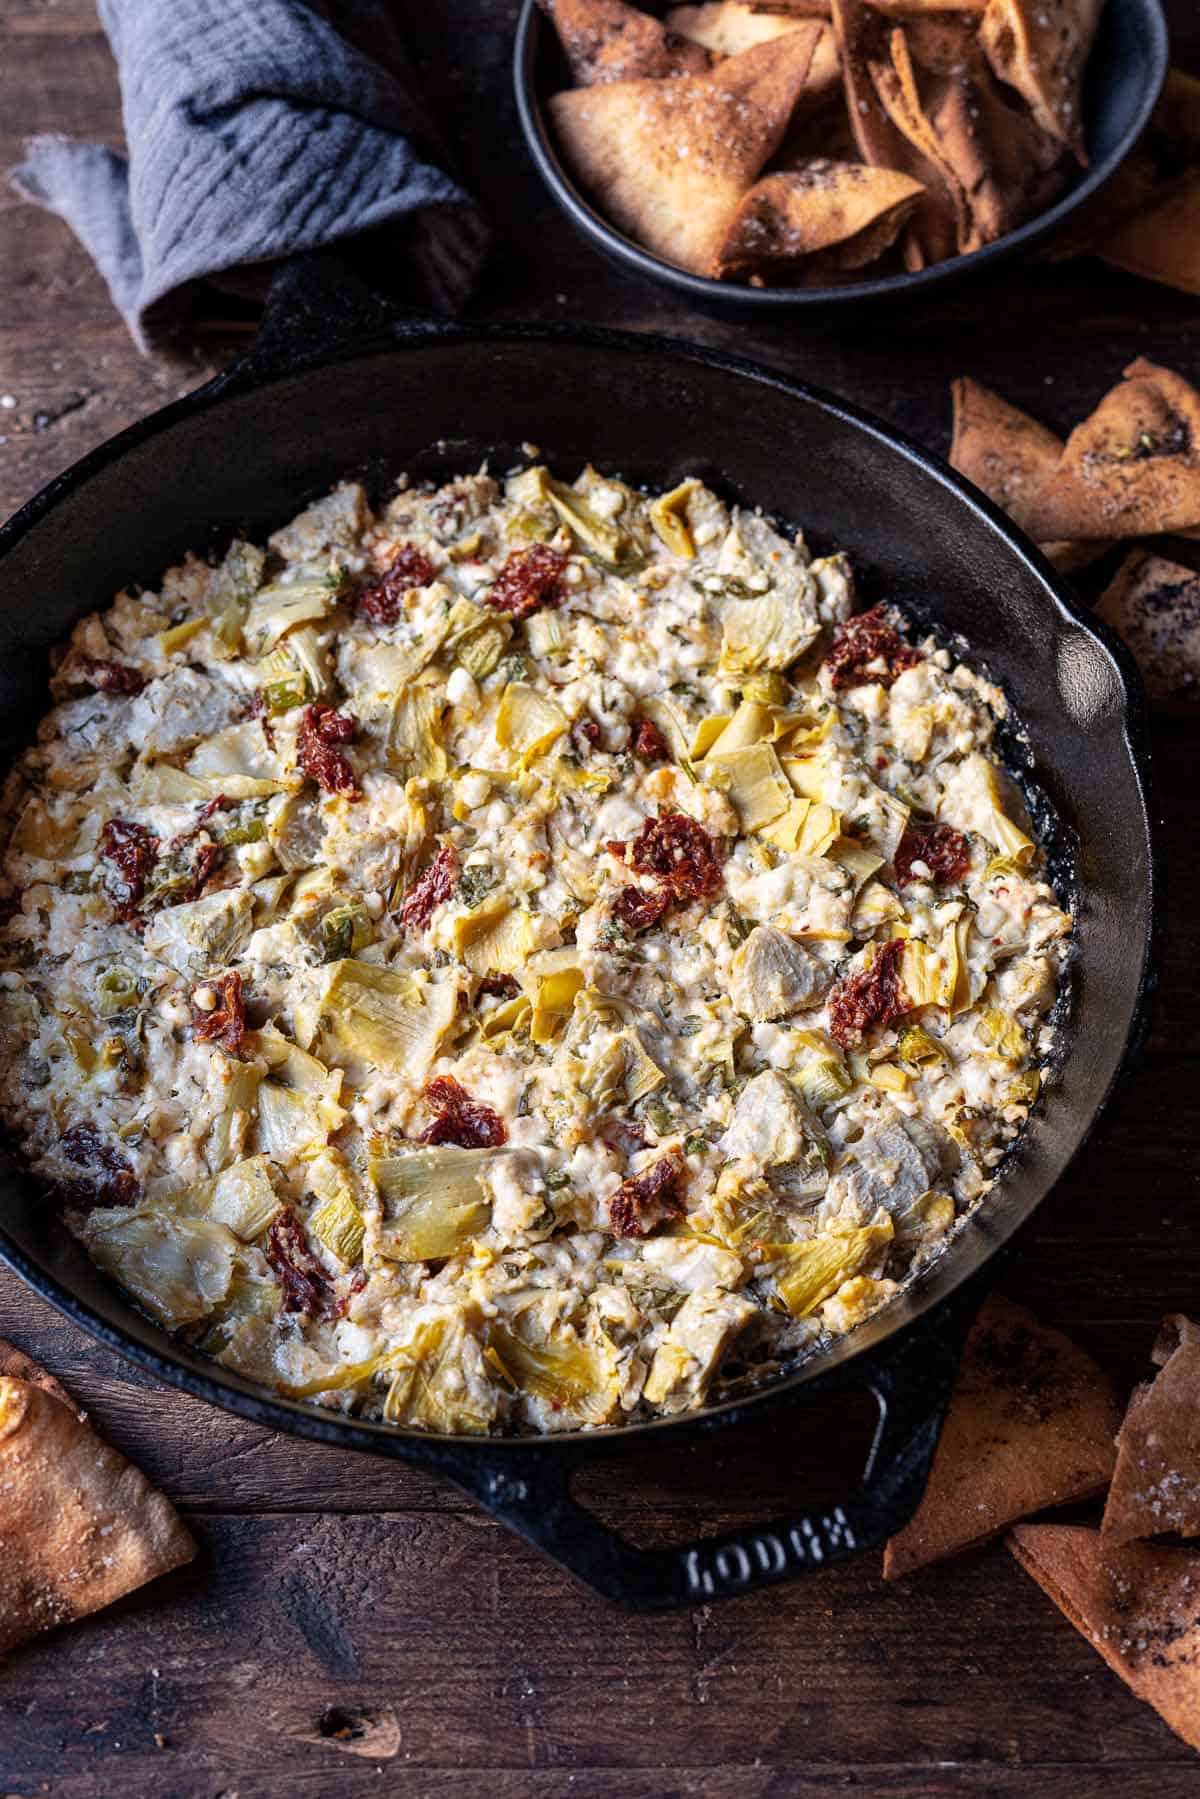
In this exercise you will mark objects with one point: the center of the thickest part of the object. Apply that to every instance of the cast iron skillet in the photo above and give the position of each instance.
(339, 385)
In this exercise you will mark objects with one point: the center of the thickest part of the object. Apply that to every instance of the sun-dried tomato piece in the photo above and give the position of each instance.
(224, 1022)
(320, 728)
(184, 868)
(129, 852)
(459, 1119)
(863, 641)
(498, 986)
(679, 853)
(647, 1199)
(873, 996)
(649, 744)
(529, 580)
(436, 884)
(640, 908)
(303, 1282)
(943, 850)
(589, 731)
(621, 1135)
(383, 600)
(113, 677)
(111, 1181)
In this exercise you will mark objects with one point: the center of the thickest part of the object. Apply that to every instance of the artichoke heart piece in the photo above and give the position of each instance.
(824, 1080)
(413, 747)
(859, 863)
(876, 905)
(669, 517)
(921, 974)
(203, 935)
(584, 522)
(773, 1128)
(178, 1268)
(772, 975)
(553, 1002)
(433, 1202)
(385, 1017)
(339, 1227)
(493, 939)
(280, 608)
(294, 1125)
(693, 1348)
(428, 1389)
(1003, 1035)
(806, 828)
(813, 1271)
(244, 1198)
(973, 799)
(769, 631)
(750, 724)
(528, 723)
(757, 786)
(564, 1373)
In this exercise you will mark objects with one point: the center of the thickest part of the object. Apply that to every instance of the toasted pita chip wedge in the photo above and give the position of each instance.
(1030, 1425)
(913, 9)
(668, 161)
(862, 34)
(727, 27)
(799, 9)
(1132, 468)
(1162, 244)
(997, 166)
(821, 219)
(79, 1525)
(1154, 604)
(1163, 163)
(18, 1366)
(605, 40)
(1156, 1486)
(1041, 47)
(1010, 456)
(1137, 1605)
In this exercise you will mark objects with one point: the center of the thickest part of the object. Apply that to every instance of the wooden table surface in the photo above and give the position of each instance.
(331, 1588)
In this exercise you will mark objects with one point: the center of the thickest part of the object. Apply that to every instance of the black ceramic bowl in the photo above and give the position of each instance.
(1125, 73)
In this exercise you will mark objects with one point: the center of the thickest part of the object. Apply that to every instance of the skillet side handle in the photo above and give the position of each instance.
(531, 1494)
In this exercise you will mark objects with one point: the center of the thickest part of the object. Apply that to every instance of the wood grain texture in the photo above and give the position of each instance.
(356, 1626)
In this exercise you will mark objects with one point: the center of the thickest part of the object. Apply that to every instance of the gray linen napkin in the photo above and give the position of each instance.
(256, 129)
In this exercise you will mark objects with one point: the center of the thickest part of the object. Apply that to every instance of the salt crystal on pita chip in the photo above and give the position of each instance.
(1010, 456)
(605, 40)
(1137, 1604)
(863, 41)
(1156, 1486)
(1154, 605)
(1132, 468)
(668, 161)
(1030, 1425)
(1040, 48)
(79, 1525)
(820, 219)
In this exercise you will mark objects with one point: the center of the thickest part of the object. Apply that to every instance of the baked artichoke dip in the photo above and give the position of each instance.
(533, 958)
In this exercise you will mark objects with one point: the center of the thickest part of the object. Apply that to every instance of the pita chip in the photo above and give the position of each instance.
(911, 9)
(997, 166)
(727, 27)
(1157, 233)
(1010, 456)
(1156, 1486)
(818, 220)
(1154, 605)
(1040, 48)
(1030, 1425)
(863, 42)
(668, 161)
(79, 1525)
(605, 40)
(1132, 468)
(18, 1366)
(1164, 163)
(1138, 1606)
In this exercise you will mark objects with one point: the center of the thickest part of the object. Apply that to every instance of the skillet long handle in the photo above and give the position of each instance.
(530, 1492)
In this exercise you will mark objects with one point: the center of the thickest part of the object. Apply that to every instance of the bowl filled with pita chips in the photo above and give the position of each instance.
(784, 153)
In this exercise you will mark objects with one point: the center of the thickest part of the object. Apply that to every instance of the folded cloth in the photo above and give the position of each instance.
(256, 129)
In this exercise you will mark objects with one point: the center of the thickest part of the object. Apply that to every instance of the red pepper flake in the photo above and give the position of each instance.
(112, 677)
(529, 580)
(589, 730)
(679, 853)
(303, 1281)
(320, 728)
(383, 600)
(130, 850)
(112, 1181)
(211, 809)
(460, 1119)
(647, 1199)
(873, 996)
(225, 1022)
(943, 850)
(640, 908)
(436, 884)
(862, 642)
(649, 744)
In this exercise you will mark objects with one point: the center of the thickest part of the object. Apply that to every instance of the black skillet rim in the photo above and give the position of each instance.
(737, 295)
(247, 1399)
